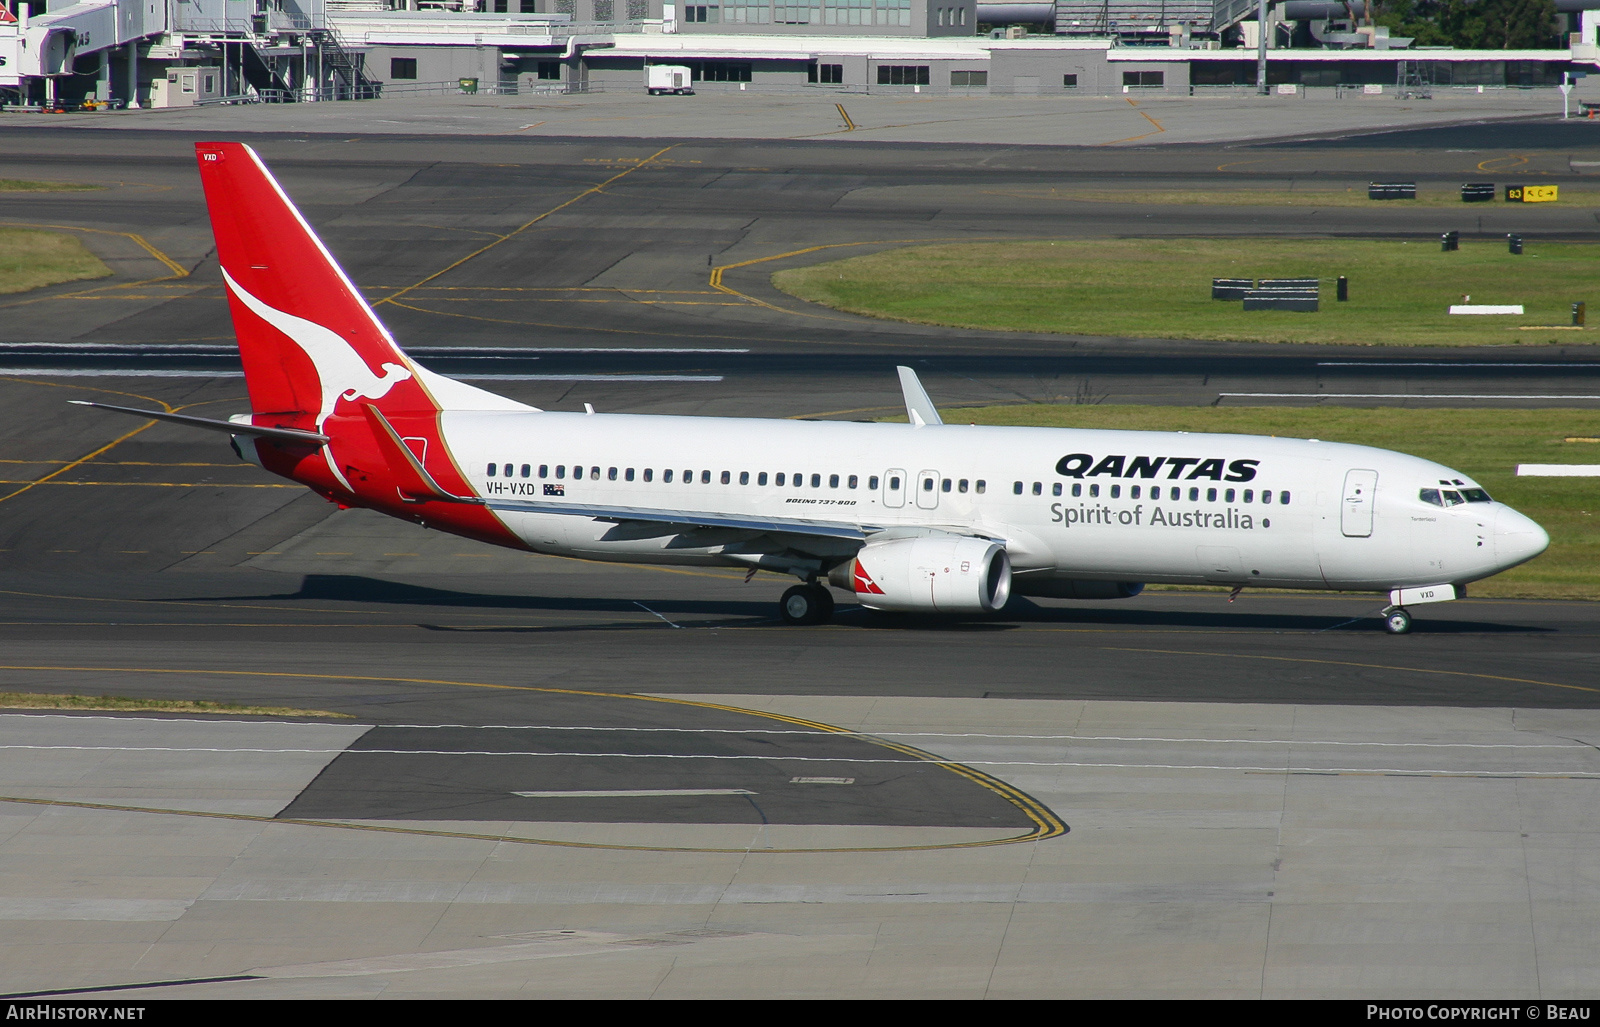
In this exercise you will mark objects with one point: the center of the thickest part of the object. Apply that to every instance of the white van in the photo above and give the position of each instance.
(667, 78)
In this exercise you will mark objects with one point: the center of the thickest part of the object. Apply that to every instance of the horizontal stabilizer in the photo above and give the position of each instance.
(210, 424)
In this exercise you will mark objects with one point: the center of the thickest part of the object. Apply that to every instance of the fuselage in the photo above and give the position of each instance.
(1069, 503)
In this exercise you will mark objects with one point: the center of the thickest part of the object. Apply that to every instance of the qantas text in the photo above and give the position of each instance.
(1083, 465)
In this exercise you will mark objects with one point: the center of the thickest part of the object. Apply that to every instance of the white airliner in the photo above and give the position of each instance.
(918, 517)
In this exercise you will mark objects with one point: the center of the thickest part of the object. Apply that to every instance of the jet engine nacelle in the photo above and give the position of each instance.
(929, 574)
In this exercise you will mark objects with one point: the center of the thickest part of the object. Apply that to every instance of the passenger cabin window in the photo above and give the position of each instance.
(761, 479)
(927, 485)
(666, 476)
(491, 470)
(1283, 499)
(628, 474)
(961, 486)
(594, 473)
(779, 479)
(983, 486)
(852, 481)
(727, 478)
(833, 481)
(1094, 491)
(1134, 492)
(611, 475)
(1016, 487)
(649, 473)
(1211, 495)
(527, 471)
(816, 481)
(1194, 495)
(544, 470)
(1116, 492)
(1077, 488)
(705, 477)
(872, 483)
(944, 486)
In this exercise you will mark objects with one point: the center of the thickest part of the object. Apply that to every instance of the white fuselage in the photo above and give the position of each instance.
(1076, 504)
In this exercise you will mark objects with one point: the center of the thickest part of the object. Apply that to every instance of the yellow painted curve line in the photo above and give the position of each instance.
(1046, 823)
(1159, 127)
(1364, 666)
(526, 225)
(1517, 160)
(717, 272)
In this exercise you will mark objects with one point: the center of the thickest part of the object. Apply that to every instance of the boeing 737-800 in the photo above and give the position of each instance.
(918, 517)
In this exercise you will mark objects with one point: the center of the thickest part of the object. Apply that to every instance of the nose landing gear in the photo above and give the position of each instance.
(810, 603)
(1396, 621)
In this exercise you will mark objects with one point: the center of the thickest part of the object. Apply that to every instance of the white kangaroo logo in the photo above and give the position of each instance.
(341, 372)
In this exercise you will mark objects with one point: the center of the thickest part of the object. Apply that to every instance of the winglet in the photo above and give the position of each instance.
(918, 406)
(414, 482)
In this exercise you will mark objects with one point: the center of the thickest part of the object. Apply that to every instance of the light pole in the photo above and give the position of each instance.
(1261, 47)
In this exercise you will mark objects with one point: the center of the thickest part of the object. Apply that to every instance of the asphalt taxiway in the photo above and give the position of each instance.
(557, 778)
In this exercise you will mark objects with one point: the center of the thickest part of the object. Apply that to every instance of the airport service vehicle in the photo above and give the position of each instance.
(922, 517)
(668, 78)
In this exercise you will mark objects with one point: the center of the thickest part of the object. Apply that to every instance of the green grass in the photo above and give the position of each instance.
(30, 259)
(1351, 196)
(23, 185)
(1400, 292)
(1487, 444)
(33, 701)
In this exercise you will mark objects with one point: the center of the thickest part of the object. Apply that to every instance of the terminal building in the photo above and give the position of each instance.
(165, 53)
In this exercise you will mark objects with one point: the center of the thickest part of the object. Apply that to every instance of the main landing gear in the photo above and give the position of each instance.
(810, 603)
(1396, 621)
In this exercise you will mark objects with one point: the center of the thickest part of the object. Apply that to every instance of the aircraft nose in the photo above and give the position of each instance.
(1517, 538)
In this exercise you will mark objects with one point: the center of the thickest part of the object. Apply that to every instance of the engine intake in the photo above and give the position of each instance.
(928, 574)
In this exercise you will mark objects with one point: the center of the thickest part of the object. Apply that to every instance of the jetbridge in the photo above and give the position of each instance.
(170, 53)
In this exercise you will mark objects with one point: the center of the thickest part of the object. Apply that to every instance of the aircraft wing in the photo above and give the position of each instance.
(692, 518)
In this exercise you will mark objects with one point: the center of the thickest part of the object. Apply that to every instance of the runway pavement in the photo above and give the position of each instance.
(558, 778)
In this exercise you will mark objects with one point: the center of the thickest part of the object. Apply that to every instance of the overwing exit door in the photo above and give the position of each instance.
(928, 489)
(1355, 510)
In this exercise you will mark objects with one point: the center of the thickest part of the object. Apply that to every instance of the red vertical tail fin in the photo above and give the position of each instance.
(308, 340)
(306, 336)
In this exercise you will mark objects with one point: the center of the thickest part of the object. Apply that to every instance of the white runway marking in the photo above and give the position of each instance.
(970, 761)
(634, 793)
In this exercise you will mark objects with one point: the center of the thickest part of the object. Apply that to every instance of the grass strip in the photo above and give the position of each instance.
(117, 703)
(1400, 290)
(30, 259)
(23, 185)
(1486, 444)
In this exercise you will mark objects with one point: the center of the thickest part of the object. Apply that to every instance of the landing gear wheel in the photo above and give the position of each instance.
(1397, 621)
(806, 604)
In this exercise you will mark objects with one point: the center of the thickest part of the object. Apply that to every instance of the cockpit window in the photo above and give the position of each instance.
(1430, 496)
(1451, 497)
(1476, 496)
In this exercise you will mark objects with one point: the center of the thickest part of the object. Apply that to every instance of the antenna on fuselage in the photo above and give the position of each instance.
(919, 408)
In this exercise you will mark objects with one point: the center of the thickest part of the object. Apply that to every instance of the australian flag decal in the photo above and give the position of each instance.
(551, 489)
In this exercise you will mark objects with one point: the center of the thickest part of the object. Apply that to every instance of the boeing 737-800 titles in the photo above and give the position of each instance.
(919, 517)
